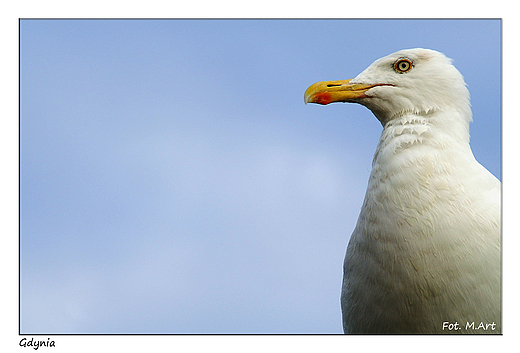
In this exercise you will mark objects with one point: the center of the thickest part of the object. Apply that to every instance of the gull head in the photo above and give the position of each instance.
(413, 81)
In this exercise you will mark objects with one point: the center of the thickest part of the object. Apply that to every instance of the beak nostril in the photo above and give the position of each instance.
(333, 85)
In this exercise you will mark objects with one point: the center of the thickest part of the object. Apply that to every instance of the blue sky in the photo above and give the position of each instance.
(173, 180)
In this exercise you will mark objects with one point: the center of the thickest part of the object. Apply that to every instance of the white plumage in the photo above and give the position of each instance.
(425, 253)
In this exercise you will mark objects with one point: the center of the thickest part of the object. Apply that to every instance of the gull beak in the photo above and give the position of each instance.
(326, 92)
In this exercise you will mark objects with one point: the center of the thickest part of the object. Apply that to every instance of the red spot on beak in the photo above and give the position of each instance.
(322, 98)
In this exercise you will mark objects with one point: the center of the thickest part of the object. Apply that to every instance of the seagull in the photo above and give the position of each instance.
(425, 254)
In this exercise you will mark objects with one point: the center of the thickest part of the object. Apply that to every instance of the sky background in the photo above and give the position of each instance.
(173, 181)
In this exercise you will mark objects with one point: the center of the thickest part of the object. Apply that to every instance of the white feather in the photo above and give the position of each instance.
(426, 247)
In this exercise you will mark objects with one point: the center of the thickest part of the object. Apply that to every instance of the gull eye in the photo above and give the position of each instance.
(403, 65)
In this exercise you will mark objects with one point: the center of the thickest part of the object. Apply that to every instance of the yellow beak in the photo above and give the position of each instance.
(326, 92)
